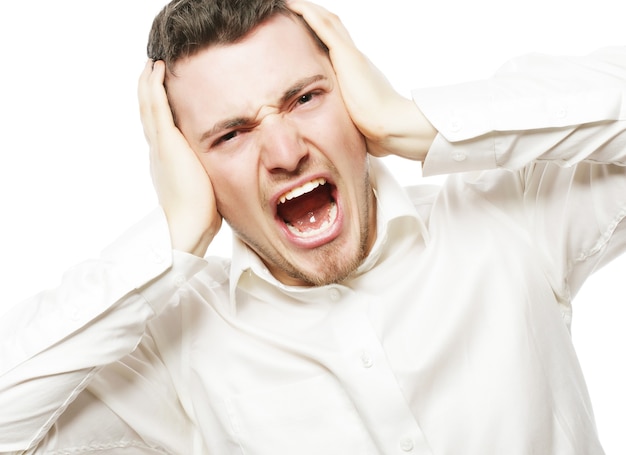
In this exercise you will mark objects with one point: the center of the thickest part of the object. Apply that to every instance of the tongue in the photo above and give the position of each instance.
(309, 211)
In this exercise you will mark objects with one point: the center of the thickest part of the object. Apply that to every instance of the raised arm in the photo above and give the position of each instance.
(391, 123)
(182, 185)
(53, 344)
(562, 109)
(536, 108)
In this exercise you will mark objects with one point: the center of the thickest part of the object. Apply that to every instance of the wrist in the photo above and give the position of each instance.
(413, 133)
(186, 236)
(402, 131)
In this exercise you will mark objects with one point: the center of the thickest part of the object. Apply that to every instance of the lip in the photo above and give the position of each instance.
(329, 234)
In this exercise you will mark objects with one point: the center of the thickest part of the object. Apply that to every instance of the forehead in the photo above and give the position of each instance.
(240, 78)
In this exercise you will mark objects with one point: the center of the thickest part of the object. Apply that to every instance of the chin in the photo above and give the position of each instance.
(328, 266)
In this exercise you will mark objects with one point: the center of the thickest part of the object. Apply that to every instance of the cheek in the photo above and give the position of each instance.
(234, 183)
(334, 127)
(221, 181)
(345, 127)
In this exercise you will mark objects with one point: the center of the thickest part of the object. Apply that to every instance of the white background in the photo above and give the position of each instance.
(73, 161)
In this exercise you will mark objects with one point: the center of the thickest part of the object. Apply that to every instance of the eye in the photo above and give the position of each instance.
(307, 98)
(227, 137)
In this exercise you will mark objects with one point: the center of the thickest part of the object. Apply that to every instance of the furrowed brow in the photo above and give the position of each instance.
(299, 86)
(243, 121)
(224, 126)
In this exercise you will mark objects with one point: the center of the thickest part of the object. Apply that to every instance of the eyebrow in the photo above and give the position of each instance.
(235, 122)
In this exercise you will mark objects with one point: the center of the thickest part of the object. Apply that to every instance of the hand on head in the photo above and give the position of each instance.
(182, 185)
(391, 123)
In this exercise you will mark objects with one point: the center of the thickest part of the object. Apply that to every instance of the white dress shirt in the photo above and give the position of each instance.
(451, 338)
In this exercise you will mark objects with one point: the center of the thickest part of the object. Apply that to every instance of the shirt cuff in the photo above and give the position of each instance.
(142, 252)
(458, 112)
(159, 291)
(143, 258)
(445, 157)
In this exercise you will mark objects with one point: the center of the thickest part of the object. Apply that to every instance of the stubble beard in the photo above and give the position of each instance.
(336, 265)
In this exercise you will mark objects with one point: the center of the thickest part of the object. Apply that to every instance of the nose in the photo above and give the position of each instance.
(282, 147)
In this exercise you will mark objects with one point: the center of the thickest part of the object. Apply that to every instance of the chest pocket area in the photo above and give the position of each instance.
(313, 416)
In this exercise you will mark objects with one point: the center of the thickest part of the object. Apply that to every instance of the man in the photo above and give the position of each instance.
(354, 317)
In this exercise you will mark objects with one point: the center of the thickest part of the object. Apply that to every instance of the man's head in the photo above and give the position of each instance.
(263, 111)
(183, 27)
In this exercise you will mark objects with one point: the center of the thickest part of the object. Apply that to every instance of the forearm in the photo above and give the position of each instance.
(52, 344)
(603, 143)
(49, 375)
(536, 108)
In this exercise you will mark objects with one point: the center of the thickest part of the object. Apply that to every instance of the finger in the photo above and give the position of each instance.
(143, 90)
(326, 25)
(145, 103)
(156, 92)
(156, 113)
(145, 73)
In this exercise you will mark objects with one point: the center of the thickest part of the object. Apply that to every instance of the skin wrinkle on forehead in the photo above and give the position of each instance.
(170, 70)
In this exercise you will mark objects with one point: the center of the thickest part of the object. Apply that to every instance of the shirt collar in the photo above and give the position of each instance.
(393, 205)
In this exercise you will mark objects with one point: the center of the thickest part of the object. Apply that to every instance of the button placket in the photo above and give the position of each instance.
(366, 359)
(334, 294)
(367, 377)
(407, 444)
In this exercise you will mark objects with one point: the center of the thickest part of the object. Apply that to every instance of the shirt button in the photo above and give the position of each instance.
(561, 113)
(155, 257)
(407, 445)
(459, 157)
(335, 294)
(455, 124)
(366, 359)
(74, 312)
(179, 281)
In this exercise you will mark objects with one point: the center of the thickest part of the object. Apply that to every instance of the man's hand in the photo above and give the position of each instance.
(182, 185)
(391, 123)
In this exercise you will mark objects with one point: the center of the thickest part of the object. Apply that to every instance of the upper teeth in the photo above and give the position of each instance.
(306, 188)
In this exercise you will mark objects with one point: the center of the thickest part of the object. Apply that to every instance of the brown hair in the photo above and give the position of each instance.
(184, 27)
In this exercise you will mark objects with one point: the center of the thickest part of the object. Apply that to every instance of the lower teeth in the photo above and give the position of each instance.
(309, 232)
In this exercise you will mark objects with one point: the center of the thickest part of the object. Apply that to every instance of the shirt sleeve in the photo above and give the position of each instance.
(559, 123)
(52, 344)
(536, 107)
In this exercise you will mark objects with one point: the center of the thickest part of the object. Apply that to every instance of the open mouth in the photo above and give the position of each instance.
(308, 210)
